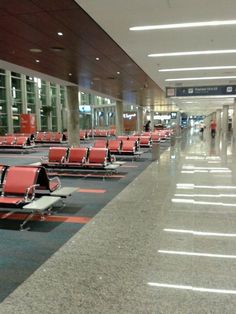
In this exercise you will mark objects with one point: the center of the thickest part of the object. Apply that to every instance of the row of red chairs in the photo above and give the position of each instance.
(15, 142)
(142, 141)
(118, 146)
(78, 157)
(49, 137)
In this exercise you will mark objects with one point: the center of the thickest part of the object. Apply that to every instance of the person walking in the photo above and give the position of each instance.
(213, 128)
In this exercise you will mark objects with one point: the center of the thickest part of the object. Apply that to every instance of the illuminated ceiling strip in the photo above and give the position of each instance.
(199, 68)
(197, 289)
(206, 195)
(183, 25)
(201, 233)
(201, 78)
(191, 201)
(191, 53)
(193, 186)
(197, 254)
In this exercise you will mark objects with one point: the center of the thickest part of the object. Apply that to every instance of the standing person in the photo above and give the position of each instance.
(202, 127)
(213, 128)
(147, 126)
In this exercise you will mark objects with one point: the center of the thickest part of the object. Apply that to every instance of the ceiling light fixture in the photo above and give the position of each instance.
(199, 68)
(97, 59)
(183, 25)
(201, 78)
(118, 72)
(59, 33)
(37, 61)
(70, 74)
(37, 50)
(191, 53)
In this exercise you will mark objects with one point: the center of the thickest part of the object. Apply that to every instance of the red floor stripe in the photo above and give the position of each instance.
(63, 174)
(92, 191)
(51, 218)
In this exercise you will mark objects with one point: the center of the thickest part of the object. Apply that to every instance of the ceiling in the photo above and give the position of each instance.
(28, 24)
(115, 17)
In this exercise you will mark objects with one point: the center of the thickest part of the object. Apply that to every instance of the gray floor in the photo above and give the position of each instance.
(165, 244)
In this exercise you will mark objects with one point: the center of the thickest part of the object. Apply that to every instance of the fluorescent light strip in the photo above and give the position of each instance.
(201, 78)
(189, 167)
(183, 25)
(206, 171)
(197, 289)
(201, 233)
(197, 254)
(191, 53)
(199, 68)
(205, 195)
(191, 201)
(193, 186)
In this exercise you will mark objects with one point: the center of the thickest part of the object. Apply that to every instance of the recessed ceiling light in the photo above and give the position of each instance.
(183, 25)
(118, 72)
(59, 33)
(199, 68)
(35, 50)
(97, 59)
(70, 74)
(201, 78)
(37, 61)
(191, 53)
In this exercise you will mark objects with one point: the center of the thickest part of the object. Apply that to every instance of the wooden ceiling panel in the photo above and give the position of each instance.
(27, 24)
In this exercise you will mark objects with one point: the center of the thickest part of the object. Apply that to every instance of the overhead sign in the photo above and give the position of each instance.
(201, 91)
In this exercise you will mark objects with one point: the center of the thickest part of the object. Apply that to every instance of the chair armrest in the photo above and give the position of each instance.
(56, 179)
(31, 190)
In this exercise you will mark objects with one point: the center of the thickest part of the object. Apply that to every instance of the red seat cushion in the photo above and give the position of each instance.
(11, 200)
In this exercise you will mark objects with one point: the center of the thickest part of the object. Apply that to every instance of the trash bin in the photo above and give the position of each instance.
(155, 151)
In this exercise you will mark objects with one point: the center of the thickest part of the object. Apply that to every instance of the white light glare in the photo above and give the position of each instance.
(183, 25)
(193, 186)
(197, 254)
(206, 195)
(191, 201)
(201, 233)
(191, 53)
(201, 78)
(199, 68)
(197, 289)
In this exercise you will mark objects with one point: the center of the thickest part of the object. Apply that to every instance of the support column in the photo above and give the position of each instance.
(140, 119)
(119, 118)
(73, 115)
(9, 102)
(234, 120)
(152, 120)
(224, 124)
(58, 108)
(218, 120)
(48, 104)
(38, 105)
(23, 93)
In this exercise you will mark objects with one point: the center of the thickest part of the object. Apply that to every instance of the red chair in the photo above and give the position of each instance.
(57, 137)
(19, 185)
(40, 137)
(48, 137)
(145, 141)
(114, 146)
(97, 157)
(155, 137)
(122, 137)
(21, 142)
(10, 140)
(56, 156)
(77, 156)
(100, 143)
(129, 146)
(2, 140)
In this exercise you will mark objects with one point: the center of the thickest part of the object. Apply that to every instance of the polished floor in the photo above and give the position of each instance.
(165, 244)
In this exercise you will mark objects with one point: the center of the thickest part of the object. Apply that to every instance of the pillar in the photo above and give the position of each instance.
(218, 120)
(224, 123)
(119, 118)
(152, 120)
(234, 120)
(9, 102)
(58, 108)
(23, 93)
(38, 105)
(140, 119)
(48, 104)
(73, 115)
